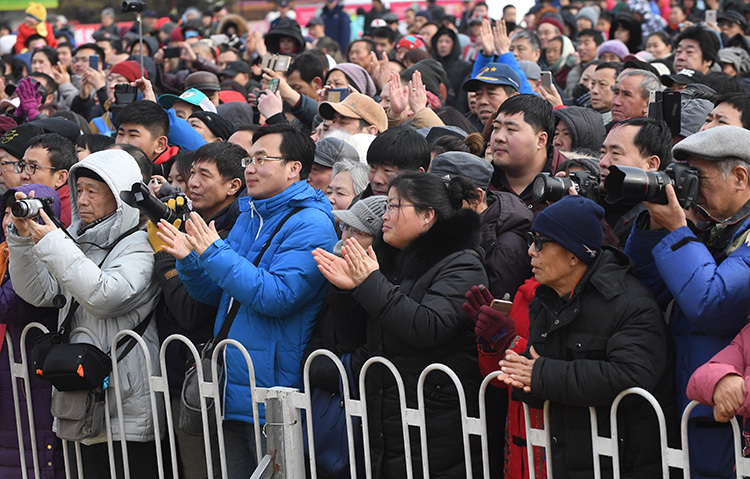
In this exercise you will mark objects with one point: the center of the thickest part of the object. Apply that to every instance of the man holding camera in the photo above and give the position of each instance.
(104, 269)
(638, 142)
(699, 261)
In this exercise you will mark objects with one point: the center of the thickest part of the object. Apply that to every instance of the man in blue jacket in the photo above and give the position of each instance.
(703, 266)
(280, 297)
(337, 23)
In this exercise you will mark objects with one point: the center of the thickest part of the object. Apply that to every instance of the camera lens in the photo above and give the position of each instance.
(631, 185)
(549, 188)
(26, 208)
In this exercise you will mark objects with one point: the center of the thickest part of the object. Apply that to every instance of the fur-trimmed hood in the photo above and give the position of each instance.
(459, 232)
(236, 20)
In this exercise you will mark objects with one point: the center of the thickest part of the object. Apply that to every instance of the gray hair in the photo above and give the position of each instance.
(357, 170)
(530, 36)
(649, 83)
(110, 12)
(726, 166)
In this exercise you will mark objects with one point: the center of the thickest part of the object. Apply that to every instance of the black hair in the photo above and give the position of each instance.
(94, 142)
(182, 162)
(401, 147)
(31, 38)
(250, 128)
(616, 66)
(62, 152)
(707, 40)
(310, 65)
(226, 156)
(664, 36)
(384, 32)
(451, 116)
(722, 83)
(144, 164)
(370, 46)
(445, 143)
(295, 145)
(91, 46)
(628, 22)
(412, 57)
(606, 15)
(536, 112)
(82, 123)
(653, 138)
(740, 102)
(148, 114)
(591, 32)
(17, 66)
(505, 8)
(49, 84)
(428, 192)
(49, 52)
(330, 46)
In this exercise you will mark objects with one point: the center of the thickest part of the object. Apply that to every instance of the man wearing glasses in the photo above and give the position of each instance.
(13, 145)
(594, 330)
(281, 296)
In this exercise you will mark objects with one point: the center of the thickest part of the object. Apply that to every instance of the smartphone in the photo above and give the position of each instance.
(711, 16)
(337, 95)
(547, 80)
(273, 85)
(654, 105)
(282, 63)
(172, 52)
(94, 61)
(501, 305)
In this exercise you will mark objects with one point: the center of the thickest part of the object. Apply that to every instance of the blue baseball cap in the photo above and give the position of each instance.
(494, 74)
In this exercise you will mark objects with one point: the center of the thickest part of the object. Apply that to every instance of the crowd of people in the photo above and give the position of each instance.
(561, 195)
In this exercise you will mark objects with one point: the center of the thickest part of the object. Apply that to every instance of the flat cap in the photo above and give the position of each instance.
(715, 144)
(457, 163)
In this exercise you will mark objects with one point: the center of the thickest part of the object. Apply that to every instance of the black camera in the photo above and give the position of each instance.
(546, 187)
(30, 207)
(631, 185)
(141, 198)
(133, 6)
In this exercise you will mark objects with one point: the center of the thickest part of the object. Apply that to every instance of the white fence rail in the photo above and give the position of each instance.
(285, 457)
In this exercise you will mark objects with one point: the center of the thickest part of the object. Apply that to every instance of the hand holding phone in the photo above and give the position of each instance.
(94, 61)
(547, 80)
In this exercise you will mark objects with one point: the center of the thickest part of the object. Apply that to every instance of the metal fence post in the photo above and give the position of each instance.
(283, 431)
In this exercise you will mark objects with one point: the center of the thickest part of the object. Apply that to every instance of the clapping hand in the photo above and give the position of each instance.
(517, 370)
(350, 271)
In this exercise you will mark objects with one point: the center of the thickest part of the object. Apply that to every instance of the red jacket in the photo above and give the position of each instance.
(516, 462)
(25, 31)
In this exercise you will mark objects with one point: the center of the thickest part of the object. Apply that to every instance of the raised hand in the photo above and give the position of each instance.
(417, 93)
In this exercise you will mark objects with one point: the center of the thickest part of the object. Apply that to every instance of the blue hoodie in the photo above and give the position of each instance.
(280, 299)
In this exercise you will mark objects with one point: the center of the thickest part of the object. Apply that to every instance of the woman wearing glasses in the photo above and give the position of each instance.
(408, 291)
(594, 331)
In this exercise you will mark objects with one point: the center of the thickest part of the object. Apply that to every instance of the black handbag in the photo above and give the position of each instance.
(190, 421)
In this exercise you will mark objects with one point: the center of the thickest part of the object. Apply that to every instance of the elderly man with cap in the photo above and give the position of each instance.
(699, 259)
(494, 84)
(237, 71)
(207, 83)
(594, 330)
(357, 113)
(327, 152)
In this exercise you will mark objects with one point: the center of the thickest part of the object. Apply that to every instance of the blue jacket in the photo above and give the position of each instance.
(280, 298)
(711, 300)
(338, 25)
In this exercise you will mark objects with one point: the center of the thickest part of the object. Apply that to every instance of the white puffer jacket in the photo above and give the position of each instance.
(116, 296)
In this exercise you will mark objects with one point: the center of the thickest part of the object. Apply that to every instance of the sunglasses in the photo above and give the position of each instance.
(537, 241)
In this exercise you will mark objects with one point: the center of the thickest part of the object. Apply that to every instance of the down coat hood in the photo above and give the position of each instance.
(585, 125)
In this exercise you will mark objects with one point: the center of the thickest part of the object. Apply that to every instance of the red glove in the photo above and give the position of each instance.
(494, 330)
(477, 297)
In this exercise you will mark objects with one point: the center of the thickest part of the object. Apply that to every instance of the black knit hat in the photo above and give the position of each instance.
(218, 125)
(17, 139)
(574, 223)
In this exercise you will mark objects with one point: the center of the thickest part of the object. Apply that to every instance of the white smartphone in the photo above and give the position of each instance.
(711, 16)
(547, 80)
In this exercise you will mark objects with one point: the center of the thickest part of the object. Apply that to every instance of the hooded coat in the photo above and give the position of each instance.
(285, 28)
(115, 296)
(414, 318)
(237, 21)
(279, 298)
(16, 314)
(457, 70)
(585, 126)
(609, 335)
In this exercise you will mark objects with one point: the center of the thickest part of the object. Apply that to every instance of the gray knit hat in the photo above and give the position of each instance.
(715, 144)
(365, 215)
(329, 150)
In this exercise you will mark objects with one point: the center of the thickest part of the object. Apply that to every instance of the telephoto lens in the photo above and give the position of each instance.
(141, 198)
(29, 207)
(546, 187)
(631, 185)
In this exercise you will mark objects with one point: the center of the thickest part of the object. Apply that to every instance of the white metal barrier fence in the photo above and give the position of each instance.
(283, 410)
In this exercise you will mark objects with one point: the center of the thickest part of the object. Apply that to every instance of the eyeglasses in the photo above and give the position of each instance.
(259, 160)
(20, 166)
(391, 207)
(351, 230)
(537, 241)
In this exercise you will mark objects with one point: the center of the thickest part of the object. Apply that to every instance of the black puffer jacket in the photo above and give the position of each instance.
(585, 125)
(414, 318)
(504, 226)
(456, 70)
(608, 337)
